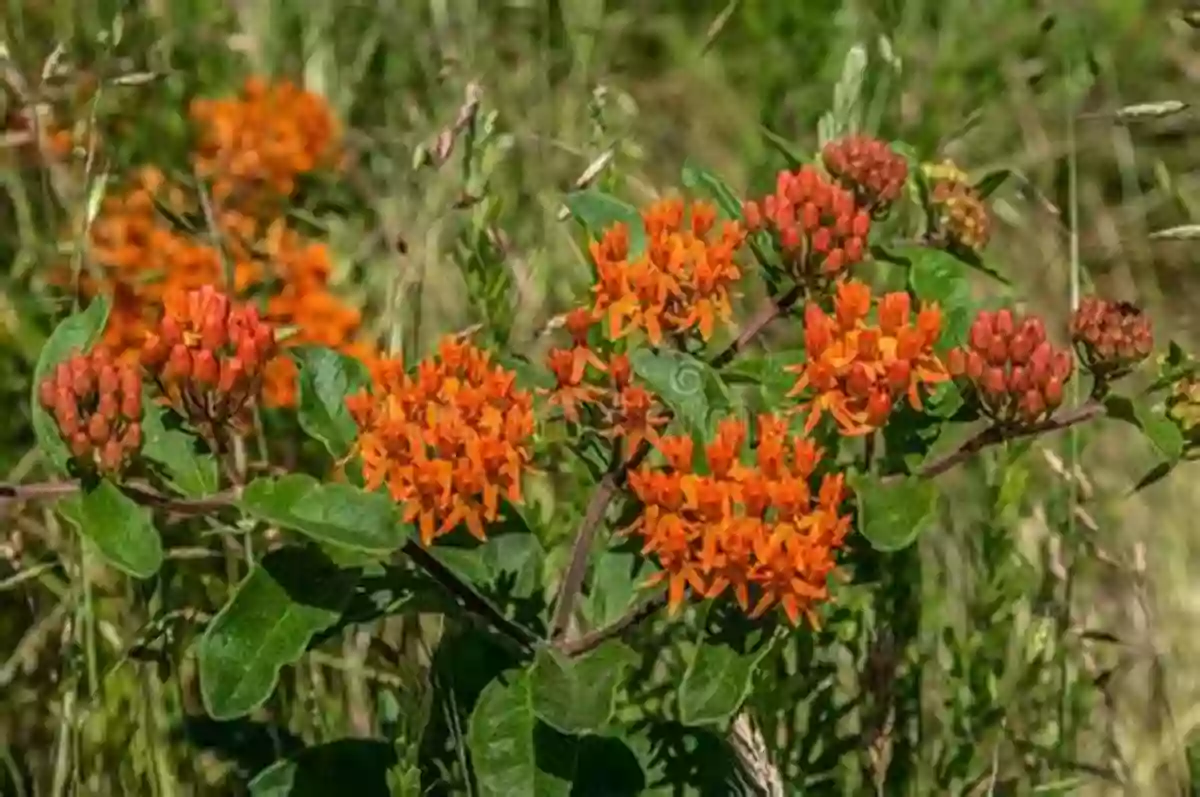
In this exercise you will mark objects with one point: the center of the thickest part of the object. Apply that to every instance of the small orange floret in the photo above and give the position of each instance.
(757, 529)
(857, 371)
(680, 284)
(448, 441)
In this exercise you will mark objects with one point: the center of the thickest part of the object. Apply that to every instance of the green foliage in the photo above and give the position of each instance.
(336, 514)
(597, 211)
(326, 378)
(578, 695)
(892, 514)
(716, 683)
(287, 598)
(118, 527)
(188, 468)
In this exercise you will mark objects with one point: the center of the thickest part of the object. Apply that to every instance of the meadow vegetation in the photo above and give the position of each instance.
(597, 398)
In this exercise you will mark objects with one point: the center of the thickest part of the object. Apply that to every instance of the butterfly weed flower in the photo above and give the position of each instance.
(1016, 373)
(447, 441)
(869, 167)
(959, 217)
(680, 284)
(1183, 407)
(856, 370)
(208, 357)
(1110, 338)
(96, 403)
(820, 229)
(262, 140)
(765, 530)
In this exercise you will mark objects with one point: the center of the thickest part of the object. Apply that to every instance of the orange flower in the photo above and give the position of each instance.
(856, 371)
(679, 284)
(448, 441)
(756, 530)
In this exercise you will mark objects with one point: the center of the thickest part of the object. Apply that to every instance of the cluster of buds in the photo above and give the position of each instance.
(1110, 337)
(1016, 373)
(820, 228)
(857, 371)
(868, 167)
(959, 217)
(584, 382)
(97, 403)
(1183, 407)
(208, 356)
(765, 529)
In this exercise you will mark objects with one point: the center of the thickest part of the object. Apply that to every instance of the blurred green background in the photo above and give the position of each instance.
(1087, 104)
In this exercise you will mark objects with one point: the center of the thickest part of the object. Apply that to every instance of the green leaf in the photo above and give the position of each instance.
(512, 752)
(716, 683)
(326, 378)
(617, 582)
(698, 179)
(1160, 430)
(75, 332)
(991, 181)
(937, 276)
(784, 147)
(688, 386)
(515, 558)
(357, 766)
(578, 695)
(292, 594)
(892, 513)
(335, 514)
(120, 529)
(598, 211)
(189, 470)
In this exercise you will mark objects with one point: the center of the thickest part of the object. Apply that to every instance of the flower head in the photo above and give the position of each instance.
(96, 402)
(681, 284)
(856, 370)
(209, 355)
(868, 167)
(448, 441)
(1008, 363)
(960, 217)
(820, 229)
(767, 531)
(1110, 337)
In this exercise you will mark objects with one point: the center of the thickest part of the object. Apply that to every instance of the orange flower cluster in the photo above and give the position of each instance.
(1110, 337)
(251, 147)
(857, 371)
(819, 227)
(448, 441)
(960, 217)
(263, 139)
(623, 410)
(680, 284)
(868, 167)
(757, 529)
(97, 403)
(209, 355)
(1016, 373)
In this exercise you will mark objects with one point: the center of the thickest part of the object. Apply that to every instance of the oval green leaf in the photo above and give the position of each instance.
(510, 747)
(1160, 430)
(326, 378)
(186, 466)
(121, 530)
(688, 386)
(336, 514)
(597, 211)
(937, 276)
(79, 331)
(696, 178)
(893, 513)
(291, 595)
(578, 695)
(716, 683)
